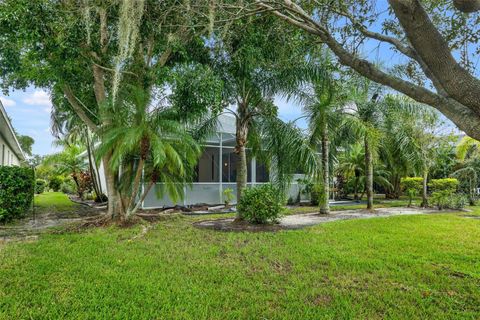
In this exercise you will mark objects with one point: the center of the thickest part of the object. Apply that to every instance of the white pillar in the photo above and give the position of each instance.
(220, 169)
(253, 164)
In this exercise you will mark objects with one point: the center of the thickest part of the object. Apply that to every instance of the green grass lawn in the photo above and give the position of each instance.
(53, 201)
(423, 267)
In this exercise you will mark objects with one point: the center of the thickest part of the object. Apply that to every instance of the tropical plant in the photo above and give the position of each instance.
(147, 141)
(443, 190)
(228, 196)
(412, 186)
(40, 185)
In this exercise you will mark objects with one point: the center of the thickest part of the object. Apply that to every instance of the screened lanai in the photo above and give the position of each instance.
(215, 172)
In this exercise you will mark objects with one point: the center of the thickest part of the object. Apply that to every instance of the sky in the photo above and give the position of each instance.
(30, 109)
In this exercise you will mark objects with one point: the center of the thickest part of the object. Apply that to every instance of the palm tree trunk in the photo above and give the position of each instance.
(369, 173)
(355, 189)
(241, 137)
(324, 205)
(424, 189)
(114, 201)
(136, 185)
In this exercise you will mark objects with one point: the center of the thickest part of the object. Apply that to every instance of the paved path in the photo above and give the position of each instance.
(298, 221)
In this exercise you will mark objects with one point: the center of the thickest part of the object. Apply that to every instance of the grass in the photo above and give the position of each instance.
(54, 202)
(414, 267)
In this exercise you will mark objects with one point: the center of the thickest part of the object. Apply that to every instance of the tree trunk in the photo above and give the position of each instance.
(240, 150)
(424, 189)
(355, 189)
(369, 173)
(324, 205)
(114, 201)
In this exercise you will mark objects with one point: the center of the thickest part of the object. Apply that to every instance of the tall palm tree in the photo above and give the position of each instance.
(148, 140)
(323, 110)
(256, 64)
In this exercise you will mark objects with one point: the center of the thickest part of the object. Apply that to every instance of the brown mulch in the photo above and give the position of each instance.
(230, 225)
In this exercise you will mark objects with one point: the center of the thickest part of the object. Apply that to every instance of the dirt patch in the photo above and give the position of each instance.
(236, 226)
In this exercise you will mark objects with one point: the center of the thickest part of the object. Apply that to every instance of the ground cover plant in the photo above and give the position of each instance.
(349, 269)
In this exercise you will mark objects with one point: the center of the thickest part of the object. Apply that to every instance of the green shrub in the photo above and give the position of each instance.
(68, 186)
(442, 191)
(457, 201)
(16, 191)
(412, 186)
(315, 193)
(40, 185)
(261, 204)
(228, 196)
(55, 183)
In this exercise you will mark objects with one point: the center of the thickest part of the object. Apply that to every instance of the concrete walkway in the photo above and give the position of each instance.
(296, 221)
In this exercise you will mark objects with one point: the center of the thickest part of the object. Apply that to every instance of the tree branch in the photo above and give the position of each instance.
(77, 108)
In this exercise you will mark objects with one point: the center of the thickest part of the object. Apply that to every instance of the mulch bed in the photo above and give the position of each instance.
(231, 225)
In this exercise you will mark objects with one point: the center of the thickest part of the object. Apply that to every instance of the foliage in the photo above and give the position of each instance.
(26, 143)
(68, 186)
(40, 185)
(228, 196)
(261, 204)
(16, 191)
(412, 186)
(315, 194)
(443, 190)
(55, 183)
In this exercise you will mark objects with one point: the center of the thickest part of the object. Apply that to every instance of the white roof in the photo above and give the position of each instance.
(6, 130)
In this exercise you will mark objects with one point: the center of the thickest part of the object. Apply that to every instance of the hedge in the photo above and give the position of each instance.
(16, 191)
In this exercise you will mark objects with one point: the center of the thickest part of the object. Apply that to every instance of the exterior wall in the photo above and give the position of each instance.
(7, 156)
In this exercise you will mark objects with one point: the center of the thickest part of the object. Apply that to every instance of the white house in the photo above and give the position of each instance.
(11, 153)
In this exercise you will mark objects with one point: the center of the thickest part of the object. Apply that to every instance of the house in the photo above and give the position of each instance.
(11, 153)
(216, 171)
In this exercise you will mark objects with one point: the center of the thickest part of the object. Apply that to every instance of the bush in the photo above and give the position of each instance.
(40, 185)
(68, 186)
(315, 193)
(228, 196)
(412, 186)
(55, 183)
(443, 190)
(16, 191)
(261, 204)
(457, 201)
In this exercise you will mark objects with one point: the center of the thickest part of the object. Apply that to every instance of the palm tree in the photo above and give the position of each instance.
(68, 162)
(468, 153)
(323, 110)
(148, 140)
(255, 65)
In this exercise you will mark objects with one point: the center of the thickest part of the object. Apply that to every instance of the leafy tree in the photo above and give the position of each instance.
(435, 39)
(26, 143)
(412, 186)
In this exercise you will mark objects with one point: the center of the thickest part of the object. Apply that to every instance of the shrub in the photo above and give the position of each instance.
(261, 204)
(16, 191)
(412, 186)
(68, 186)
(55, 183)
(457, 201)
(228, 196)
(442, 191)
(40, 185)
(315, 193)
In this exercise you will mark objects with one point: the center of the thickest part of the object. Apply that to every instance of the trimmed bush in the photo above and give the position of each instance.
(261, 204)
(412, 186)
(55, 183)
(40, 185)
(16, 191)
(443, 190)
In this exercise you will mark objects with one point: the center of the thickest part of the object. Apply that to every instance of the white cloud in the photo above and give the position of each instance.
(39, 98)
(7, 102)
